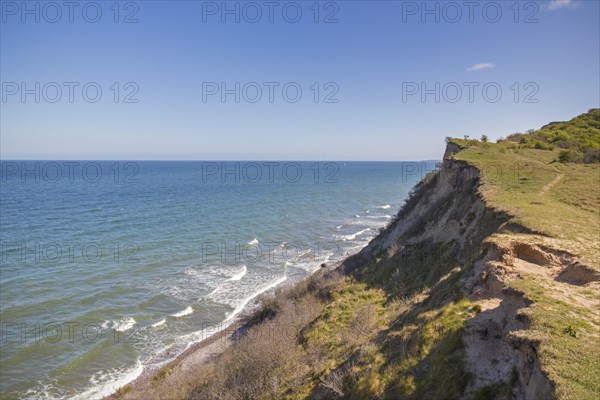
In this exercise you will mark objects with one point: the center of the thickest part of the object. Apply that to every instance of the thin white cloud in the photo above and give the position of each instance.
(479, 67)
(556, 4)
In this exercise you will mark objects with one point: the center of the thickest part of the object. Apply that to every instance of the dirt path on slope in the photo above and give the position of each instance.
(551, 184)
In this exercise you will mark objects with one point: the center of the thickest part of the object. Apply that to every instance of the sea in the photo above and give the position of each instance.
(110, 267)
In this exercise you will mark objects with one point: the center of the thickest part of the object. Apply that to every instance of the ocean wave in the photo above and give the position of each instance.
(354, 235)
(354, 249)
(204, 334)
(305, 254)
(247, 300)
(182, 313)
(239, 275)
(385, 207)
(193, 273)
(159, 323)
(121, 325)
(200, 283)
(43, 391)
(105, 383)
(253, 242)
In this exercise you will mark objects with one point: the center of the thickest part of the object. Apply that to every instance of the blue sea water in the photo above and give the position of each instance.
(109, 267)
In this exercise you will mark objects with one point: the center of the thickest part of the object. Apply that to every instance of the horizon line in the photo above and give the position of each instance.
(206, 160)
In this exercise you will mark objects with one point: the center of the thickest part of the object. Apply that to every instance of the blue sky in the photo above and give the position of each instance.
(545, 59)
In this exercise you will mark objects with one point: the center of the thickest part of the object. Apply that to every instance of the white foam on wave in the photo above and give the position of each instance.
(239, 275)
(125, 324)
(215, 290)
(305, 254)
(354, 235)
(204, 334)
(212, 278)
(159, 323)
(193, 273)
(354, 249)
(120, 325)
(248, 299)
(105, 383)
(253, 242)
(379, 216)
(385, 207)
(43, 391)
(185, 312)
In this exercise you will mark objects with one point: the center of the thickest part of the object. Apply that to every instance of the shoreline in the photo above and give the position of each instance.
(199, 353)
(216, 336)
(100, 380)
(196, 354)
(213, 340)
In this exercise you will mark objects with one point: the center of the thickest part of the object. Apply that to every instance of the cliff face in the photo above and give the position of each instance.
(447, 216)
(445, 211)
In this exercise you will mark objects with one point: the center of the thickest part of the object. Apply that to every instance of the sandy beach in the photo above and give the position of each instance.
(180, 369)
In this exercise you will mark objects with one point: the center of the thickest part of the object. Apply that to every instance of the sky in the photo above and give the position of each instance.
(287, 80)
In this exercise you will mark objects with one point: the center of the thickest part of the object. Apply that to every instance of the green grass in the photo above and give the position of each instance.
(559, 204)
(421, 353)
(412, 347)
(433, 366)
(335, 323)
(570, 340)
(557, 200)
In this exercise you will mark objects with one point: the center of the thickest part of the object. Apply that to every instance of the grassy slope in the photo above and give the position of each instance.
(562, 203)
(554, 199)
